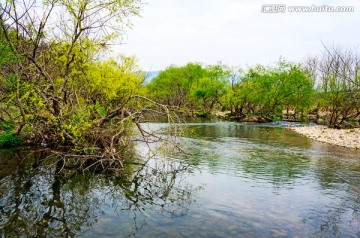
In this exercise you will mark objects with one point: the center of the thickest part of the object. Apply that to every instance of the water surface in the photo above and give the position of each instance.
(239, 180)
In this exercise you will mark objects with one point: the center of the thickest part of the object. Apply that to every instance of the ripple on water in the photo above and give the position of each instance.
(237, 181)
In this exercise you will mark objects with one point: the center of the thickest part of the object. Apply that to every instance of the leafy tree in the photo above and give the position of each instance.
(266, 91)
(233, 99)
(191, 86)
(110, 83)
(209, 89)
(53, 85)
(336, 75)
(172, 85)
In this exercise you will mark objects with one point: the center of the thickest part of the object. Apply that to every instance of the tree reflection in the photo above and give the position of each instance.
(339, 179)
(41, 199)
(280, 167)
(330, 220)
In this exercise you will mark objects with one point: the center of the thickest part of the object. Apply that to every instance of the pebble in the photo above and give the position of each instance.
(344, 137)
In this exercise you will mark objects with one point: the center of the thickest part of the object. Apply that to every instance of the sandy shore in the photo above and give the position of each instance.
(346, 137)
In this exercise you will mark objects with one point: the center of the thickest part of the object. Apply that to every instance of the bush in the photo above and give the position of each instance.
(7, 125)
(351, 120)
(8, 140)
(276, 119)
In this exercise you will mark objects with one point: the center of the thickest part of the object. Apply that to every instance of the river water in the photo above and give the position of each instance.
(237, 180)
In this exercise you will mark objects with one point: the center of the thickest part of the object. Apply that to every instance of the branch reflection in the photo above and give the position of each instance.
(41, 199)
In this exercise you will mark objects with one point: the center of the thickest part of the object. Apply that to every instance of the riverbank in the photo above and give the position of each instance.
(349, 138)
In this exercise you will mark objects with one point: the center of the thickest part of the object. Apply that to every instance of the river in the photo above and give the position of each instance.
(236, 180)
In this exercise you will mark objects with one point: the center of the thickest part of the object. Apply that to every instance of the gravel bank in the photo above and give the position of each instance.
(346, 137)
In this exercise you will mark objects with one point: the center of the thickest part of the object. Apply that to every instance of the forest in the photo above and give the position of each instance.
(59, 89)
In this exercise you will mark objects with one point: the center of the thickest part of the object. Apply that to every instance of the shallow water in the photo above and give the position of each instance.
(239, 180)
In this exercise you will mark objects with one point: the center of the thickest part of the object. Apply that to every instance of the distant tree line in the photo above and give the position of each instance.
(325, 90)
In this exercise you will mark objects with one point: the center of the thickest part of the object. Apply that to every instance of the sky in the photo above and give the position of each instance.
(236, 32)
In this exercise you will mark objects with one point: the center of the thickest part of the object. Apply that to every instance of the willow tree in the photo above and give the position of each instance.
(172, 85)
(192, 86)
(55, 89)
(266, 91)
(208, 91)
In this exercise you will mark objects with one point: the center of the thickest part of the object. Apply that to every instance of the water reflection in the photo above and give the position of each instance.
(40, 199)
(237, 181)
(313, 187)
(277, 165)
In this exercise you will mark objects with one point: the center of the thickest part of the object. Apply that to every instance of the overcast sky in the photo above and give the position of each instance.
(235, 32)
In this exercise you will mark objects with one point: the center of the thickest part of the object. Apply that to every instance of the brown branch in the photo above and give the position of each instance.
(116, 112)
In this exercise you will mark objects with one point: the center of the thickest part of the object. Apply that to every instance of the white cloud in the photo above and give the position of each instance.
(234, 31)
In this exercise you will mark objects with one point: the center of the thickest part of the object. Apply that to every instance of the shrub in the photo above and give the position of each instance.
(276, 119)
(8, 140)
(7, 125)
(351, 120)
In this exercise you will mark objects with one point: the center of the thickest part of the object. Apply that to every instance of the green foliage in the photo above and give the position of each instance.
(338, 85)
(53, 87)
(9, 140)
(109, 82)
(351, 120)
(101, 110)
(192, 86)
(7, 125)
(276, 119)
(262, 91)
(210, 89)
(266, 91)
(172, 85)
